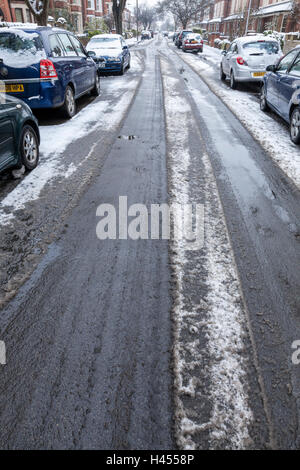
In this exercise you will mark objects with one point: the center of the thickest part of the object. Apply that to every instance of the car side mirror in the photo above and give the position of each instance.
(224, 52)
(91, 54)
(271, 68)
(125, 48)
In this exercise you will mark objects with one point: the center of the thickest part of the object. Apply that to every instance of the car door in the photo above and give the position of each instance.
(7, 135)
(289, 85)
(126, 53)
(274, 79)
(73, 64)
(87, 64)
(227, 62)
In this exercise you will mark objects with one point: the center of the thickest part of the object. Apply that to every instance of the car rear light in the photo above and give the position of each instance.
(47, 69)
(241, 61)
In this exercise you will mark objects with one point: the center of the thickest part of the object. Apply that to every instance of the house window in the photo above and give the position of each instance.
(89, 4)
(19, 15)
(98, 5)
(28, 17)
(283, 24)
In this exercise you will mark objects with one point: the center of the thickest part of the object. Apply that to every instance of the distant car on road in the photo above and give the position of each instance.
(19, 135)
(110, 52)
(192, 43)
(181, 36)
(46, 67)
(247, 58)
(281, 91)
(146, 35)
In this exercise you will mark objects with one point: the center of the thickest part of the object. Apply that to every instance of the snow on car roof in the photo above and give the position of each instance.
(258, 37)
(106, 36)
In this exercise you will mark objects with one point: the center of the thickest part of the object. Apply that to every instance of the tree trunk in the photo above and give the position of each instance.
(118, 8)
(42, 17)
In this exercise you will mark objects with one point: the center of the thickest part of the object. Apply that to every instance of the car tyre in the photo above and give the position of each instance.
(295, 125)
(69, 107)
(222, 74)
(122, 70)
(129, 64)
(29, 147)
(263, 101)
(233, 82)
(96, 90)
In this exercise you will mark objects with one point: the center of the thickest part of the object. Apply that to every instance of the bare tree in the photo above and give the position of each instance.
(118, 8)
(39, 9)
(109, 22)
(184, 10)
(147, 16)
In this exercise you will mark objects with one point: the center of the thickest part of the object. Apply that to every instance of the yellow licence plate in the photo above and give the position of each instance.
(258, 74)
(14, 88)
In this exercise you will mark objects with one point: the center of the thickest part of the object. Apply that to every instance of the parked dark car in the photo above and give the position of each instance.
(181, 36)
(281, 91)
(19, 135)
(46, 67)
(110, 52)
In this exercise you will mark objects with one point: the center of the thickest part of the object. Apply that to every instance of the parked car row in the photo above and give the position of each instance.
(260, 59)
(47, 68)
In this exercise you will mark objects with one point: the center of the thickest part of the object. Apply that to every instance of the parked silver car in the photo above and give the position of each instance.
(247, 58)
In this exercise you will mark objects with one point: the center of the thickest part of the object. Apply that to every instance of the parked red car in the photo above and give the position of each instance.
(192, 42)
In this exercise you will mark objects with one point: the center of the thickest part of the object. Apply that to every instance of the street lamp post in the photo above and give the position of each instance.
(248, 16)
(137, 20)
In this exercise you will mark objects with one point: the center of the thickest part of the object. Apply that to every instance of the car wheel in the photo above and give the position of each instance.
(263, 101)
(122, 70)
(69, 106)
(233, 82)
(96, 90)
(129, 64)
(295, 125)
(29, 147)
(222, 74)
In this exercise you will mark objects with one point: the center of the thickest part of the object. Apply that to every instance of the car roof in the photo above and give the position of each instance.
(258, 37)
(107, 36)
(33, 29)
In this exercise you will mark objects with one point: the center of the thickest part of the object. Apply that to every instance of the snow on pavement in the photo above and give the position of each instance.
(218, 315)
(56, 138)
(271, 134)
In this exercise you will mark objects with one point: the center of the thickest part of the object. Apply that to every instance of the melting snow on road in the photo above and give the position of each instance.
(269, 132)
(218, 315)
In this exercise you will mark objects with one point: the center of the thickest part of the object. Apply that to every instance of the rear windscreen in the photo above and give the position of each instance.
(262, 47)
(19, 48)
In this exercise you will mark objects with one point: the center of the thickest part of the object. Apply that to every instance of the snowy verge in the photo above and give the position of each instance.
(272, 135)
(217, 315)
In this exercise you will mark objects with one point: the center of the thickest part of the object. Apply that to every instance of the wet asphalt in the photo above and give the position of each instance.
(89, 334)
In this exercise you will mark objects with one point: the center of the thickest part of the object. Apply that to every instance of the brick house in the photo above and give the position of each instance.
(228, 18)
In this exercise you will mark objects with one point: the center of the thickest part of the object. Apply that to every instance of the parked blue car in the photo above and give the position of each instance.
(281, 91)
(46, 67)
(110, 52)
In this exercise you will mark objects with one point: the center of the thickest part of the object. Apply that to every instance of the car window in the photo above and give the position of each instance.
(287, 61)
(55, 46)
(105, 43)
(260, 47)
(233, 48)
(78, 46)
(20, 42)
(68, 46)
(295, 70)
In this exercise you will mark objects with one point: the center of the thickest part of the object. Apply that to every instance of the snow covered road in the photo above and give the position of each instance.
(144, 343)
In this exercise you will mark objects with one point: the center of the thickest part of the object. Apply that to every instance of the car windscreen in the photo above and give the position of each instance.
(18, 49)
(261, 47)
(106, 43)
